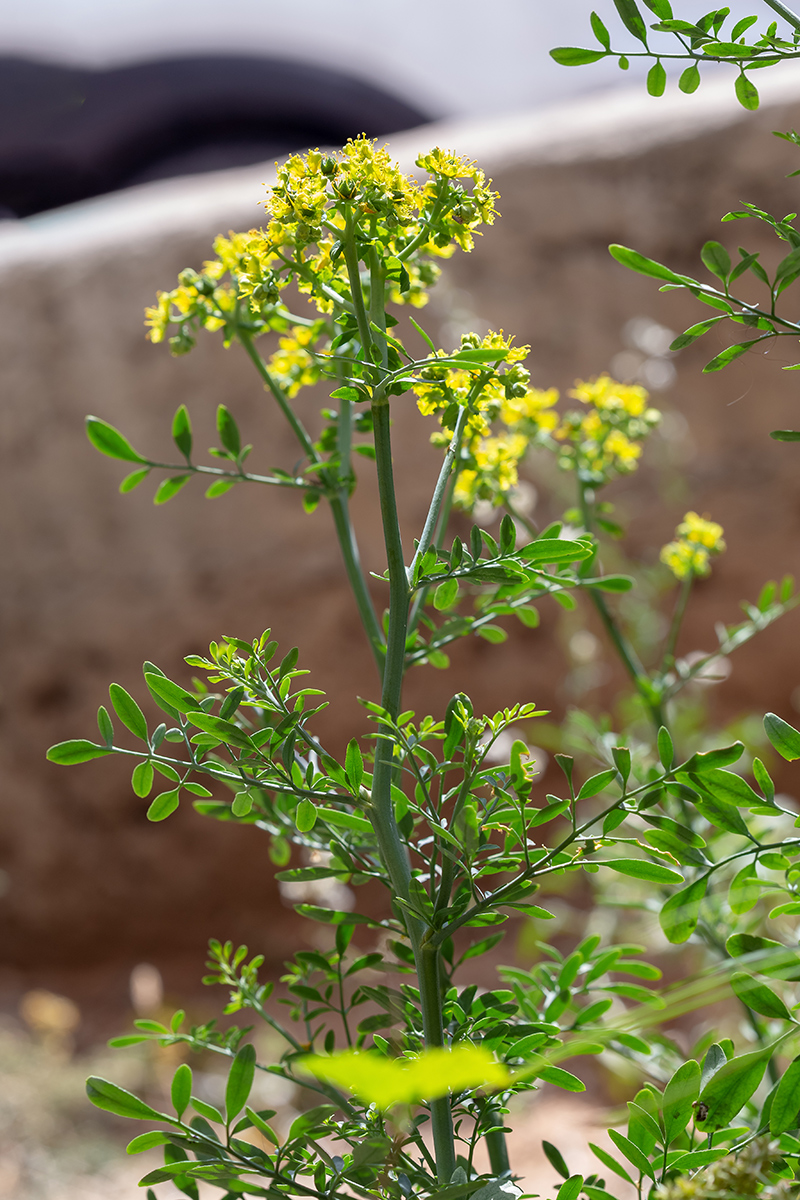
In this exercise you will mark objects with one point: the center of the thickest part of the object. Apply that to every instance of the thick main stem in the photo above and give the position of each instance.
(426, 956)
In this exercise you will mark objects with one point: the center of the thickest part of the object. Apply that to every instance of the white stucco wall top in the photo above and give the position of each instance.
(605, 125)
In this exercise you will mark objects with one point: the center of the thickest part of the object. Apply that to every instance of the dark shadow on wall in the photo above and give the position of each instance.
(69, 133)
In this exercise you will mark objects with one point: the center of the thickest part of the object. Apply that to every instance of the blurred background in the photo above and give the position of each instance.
(129, 135)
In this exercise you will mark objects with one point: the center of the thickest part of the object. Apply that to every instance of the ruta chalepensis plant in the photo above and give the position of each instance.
(407, 1064)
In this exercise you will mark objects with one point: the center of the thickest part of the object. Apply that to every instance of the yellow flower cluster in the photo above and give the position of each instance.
(488, 462)
(292, 365)
(696, 539)
(606, 440)
(318, 202)
(600, 443)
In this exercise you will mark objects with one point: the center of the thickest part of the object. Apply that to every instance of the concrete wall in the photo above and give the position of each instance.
(95, 582)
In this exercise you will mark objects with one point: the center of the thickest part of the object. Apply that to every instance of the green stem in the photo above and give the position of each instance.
(626, 652)
(339, 501)
(440, 491)
(392, 850)
(354, 279)
(497, 1147)
(283, 404)
(787, 14)
(340, 510)
(677, 621)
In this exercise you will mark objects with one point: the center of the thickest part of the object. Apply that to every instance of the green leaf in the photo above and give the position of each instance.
(600, 32)
(560, 1078)
(548, 813)
(78, 750)
(717, 812)
(610, 583)
(164, 689)
(487, 355)
(147, 1141)
(697, 1158)
(197, 789)
(128, 711)
(645, 266)
(570, 1188)
(679, 1097)
(727, 356)
(556, 1160)
(133, 480)
(708, 759)
(492, 633)
(596, 784)
(656, 79)
(528, 615)
(142, 779)
(354, 765)
(716, 258)
(182, 431)
(219, 488)
(730, 788)
(226, 731)
(666, 751)
(631, 18)
(609, 1161)
(632, 1152)
(207, 1110)
(640, 868)
(552, 550)
(574, 56)
(747, 943)
(346, 820)
(759, 997)
(228, 431)
(181, 1089)
(240, 1081)
(622, 758)
(727, 1092)
(332, 916)
(783, 736)
(680, 913)
(164, 805)
(243, 803)
(305, 817)
(257, 1121)
(690, 80)
(786, 1101)
(169, 488)
(744, 891)
(105, 726)
(116, 1100)
(746, 91)
(445, 595)
(786, 435)
(108, 440)
(482, 947)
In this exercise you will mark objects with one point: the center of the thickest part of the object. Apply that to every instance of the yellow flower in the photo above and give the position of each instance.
(696, 539)
(606, 393)
(625, 451)
(699, 529)
(533, 406)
